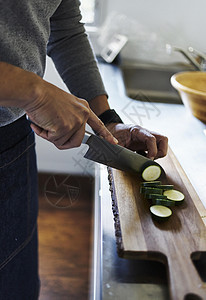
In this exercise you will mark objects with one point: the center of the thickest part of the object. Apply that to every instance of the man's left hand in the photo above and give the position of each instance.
(137, 138)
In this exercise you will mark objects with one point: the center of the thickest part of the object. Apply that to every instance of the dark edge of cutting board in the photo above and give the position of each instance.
(117, 226)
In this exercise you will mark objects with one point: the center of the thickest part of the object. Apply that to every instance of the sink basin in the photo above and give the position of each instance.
(151, 82)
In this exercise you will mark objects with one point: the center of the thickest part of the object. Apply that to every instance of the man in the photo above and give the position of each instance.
(30, 29)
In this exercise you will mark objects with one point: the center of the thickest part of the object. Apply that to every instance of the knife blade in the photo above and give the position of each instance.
(115, 156)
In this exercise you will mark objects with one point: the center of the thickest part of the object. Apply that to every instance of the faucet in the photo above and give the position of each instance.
(200, 57)
(196, 58)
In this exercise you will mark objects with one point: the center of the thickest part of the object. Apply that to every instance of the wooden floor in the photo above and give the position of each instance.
(65, 235)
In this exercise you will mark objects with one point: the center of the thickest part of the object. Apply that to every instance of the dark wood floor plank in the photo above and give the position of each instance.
(65, 241)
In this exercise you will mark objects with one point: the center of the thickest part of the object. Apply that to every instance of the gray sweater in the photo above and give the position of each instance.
(30, 29)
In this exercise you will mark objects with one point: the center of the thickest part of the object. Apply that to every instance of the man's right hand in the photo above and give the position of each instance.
(60, 117)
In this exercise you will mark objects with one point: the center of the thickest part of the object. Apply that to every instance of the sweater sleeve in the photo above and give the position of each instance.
(71, 52)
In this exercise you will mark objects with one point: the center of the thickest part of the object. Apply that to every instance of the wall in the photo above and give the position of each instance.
(180, 20)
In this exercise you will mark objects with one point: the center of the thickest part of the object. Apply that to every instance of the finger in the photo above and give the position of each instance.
(74, 141)
(151, 145)
(64, 142)
(61, 140)
(47, 135)
(39, 131)
(98, 126)
(162, 146)
(148, 140)
(58, 139)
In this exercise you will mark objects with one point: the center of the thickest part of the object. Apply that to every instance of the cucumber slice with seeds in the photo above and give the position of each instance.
(160, 212)
(174, 195)
(151, 173)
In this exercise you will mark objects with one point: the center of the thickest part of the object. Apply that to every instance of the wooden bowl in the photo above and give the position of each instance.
(192, 89)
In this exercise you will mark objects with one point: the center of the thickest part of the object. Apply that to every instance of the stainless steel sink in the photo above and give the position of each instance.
(151, 82)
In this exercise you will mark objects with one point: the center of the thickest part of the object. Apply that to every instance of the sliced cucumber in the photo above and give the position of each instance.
(150, 183)
(163, 202)
(160, 212)
(151, 190)
(174, 195)
(151, 173)
(166, 186)
(156, 196)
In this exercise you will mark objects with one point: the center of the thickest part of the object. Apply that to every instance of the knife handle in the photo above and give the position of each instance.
(86, 137)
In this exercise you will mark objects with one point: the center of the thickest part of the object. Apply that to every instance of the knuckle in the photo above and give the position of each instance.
(85, 105)
(84, 102)
(86, 112)
(64, 128)
(79, 121)
(135, 132)
(135, 129)
(165, 139)
(152, 139)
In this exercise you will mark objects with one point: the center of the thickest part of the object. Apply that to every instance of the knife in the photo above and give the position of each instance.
(115, 156)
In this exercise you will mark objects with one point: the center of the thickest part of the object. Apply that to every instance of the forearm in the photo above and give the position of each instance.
(18, 87)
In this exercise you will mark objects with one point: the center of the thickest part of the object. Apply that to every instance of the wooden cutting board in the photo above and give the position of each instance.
(174, 242)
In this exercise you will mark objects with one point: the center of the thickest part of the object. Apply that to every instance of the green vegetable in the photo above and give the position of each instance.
(151, 173)
(161, 195)
(163, 202)
(150, 190)
(174, 195)
(150, 183)
(160, 212)
(166, 186)
(156, 196)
